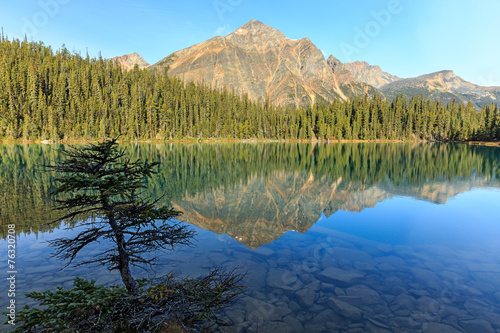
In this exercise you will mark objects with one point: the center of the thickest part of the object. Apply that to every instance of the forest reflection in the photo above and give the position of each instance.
(255, 192)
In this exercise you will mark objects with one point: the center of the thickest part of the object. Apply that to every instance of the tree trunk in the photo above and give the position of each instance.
(123, 259)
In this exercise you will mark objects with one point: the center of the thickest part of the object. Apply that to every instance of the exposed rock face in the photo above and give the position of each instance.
(445, 86)
(128, 61)
(349, 85)
(259, 60)
(372, 75)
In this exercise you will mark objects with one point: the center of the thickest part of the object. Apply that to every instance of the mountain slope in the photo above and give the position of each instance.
(445, 86)
(349, 85)
(259, 60)
(372, 75)
(128, 61)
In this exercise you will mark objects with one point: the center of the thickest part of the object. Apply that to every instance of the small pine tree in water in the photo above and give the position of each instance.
(108, 186)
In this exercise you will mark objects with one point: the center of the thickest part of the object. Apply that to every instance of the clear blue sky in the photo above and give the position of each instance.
(405, 37)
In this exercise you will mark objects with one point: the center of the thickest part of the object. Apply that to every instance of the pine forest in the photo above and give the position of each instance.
(59, 95)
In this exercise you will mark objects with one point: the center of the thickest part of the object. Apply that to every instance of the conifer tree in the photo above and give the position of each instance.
(107, 185)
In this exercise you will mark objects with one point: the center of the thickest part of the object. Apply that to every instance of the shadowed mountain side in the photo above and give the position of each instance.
(261, 211)
(259, 60)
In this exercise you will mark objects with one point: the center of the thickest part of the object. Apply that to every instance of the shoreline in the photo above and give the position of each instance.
(157, 141)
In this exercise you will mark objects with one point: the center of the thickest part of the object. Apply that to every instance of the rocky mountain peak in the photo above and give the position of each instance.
(128, 61)
(445, 86)
(448, 74)
(257, 34)
(333, 62)
(262, 61)
(372, 75)
(255, 27)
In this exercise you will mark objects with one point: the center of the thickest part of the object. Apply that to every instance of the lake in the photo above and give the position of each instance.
(378, 237)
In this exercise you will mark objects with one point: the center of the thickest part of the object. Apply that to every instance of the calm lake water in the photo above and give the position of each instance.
(335, 238)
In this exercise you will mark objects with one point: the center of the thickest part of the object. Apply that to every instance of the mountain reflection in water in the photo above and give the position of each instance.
(260, 211)
(386, 237)
(256, 192)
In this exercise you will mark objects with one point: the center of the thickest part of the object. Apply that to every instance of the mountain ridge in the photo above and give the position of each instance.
(128, 61)
(262, 62)
(372, 75)
(444, 85)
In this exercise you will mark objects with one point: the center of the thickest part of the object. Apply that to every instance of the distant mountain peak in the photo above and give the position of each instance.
(128, 61)
(448, 73)
(443, 85)
(254, 26)
(255, 23)
(349, 85)
(257, 32)
(333, 62)
(372, 75)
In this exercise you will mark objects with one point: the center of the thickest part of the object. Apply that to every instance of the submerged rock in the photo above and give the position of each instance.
(407, 322)
(345, 309)
(294, 324)
(283, 279)
(368, 295)
(403, 302)
(306, 296)
(438, 328)
(353, 300)
(477, 325)
(259, 312)
(277, 327)
(339, 276)
(476, 307)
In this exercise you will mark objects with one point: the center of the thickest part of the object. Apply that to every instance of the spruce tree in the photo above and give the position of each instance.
(105, 184)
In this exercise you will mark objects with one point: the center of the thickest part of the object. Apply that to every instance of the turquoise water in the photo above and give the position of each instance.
(334, 238)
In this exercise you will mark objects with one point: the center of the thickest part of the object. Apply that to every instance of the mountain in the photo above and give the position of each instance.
(128, 61)
(349, 85)
(445, 86)
(263, 63)
(259, 60)
(372, 75)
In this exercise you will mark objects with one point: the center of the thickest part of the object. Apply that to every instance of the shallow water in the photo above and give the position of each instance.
(345, 238)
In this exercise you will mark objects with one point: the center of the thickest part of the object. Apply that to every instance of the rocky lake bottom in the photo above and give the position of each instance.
(360, 286)
(329, 279)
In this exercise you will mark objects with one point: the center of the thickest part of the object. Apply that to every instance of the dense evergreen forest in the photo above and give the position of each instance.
(59, 95)
(191, 169)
